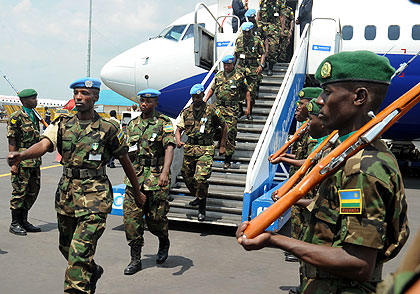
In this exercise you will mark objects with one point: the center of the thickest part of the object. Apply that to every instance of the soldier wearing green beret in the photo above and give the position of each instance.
(84, 195)
(22, 133)
(358, 216)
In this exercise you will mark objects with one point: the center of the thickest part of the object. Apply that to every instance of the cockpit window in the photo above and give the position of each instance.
(173, 33)
(190, 31)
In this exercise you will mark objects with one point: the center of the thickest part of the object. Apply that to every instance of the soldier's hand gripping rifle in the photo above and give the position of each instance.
(299, 132)
(329, 164)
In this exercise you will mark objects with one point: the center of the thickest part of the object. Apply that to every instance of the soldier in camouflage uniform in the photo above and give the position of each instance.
(257, 30)
(269, 16)
(150, 137)
(250, 56)
(287, 19)
(22, 133)
(228, 86)
(199, 122)
(359, 213)
(84, 194)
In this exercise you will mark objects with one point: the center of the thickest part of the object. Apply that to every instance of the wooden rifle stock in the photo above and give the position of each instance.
(330, 163)
(299, 132)
(39, 117)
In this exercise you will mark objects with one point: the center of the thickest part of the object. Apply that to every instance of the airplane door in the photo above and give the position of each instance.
(203, 47)
(324, 40)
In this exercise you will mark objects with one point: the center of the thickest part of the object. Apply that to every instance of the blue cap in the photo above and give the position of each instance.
(197, 89)
(247, 26)
(228, 59)
(86, 83)
(250, 13)
(149, 93)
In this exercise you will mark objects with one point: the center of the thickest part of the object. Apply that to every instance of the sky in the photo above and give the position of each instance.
(44, 43)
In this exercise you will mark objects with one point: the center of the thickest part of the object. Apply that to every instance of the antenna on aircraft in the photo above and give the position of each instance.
(147, 80)
(9, 82)
(89, 39)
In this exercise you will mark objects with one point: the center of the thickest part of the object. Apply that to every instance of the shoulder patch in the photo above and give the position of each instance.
(120, 136)
(168, 128)
(12, 121)
(218, 113)
(350, 201)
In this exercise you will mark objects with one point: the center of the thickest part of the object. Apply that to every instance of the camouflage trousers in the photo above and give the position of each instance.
(230, 115)
(284, 42)
(78, 238)
(26, 185)
(196, 170)
(254, 80)
(273, 37)
(336, 286)
(154, 210)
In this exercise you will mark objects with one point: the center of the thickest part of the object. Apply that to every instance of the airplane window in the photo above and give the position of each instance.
(394, 32)
(347, 32)
(416, 32)
(175, 32)
(190, 31)
(370, 32)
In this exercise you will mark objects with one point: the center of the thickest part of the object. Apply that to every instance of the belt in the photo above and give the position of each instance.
(84, 173)
(249, 62)
(202, 142)
(312, 272)
(156, 161)
(227, 103)
(24, 145)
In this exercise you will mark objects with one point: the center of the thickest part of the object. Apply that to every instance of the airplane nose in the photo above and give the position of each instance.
(119, 75)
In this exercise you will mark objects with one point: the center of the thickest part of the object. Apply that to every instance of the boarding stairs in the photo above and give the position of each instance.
(226, 191)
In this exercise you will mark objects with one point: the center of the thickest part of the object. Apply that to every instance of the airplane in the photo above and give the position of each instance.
(14, 100)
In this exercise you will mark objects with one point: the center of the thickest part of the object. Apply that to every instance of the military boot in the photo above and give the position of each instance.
(15, 227)
(135, 264)
(270, 69)
(96, 275)
(27, 225)
(202, 210)
(194, 202)
(162, 254)
(228, 159)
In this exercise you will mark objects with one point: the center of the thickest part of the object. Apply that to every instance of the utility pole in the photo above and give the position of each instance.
(89, 40)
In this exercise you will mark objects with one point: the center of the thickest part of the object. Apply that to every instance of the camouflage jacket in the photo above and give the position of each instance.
(364, 204)
(26, 133)
(288, 16)
(301, 148)
(229, 87)
(149, 138)
(200, 126)
(249, 51)
(270, 10)
(85, 147)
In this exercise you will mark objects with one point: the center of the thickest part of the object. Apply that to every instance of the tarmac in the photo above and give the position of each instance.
(202, 258)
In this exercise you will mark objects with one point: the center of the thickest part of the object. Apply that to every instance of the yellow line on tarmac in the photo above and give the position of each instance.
(45, 167)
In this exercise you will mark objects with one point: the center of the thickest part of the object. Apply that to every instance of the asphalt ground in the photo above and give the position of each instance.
(202, 258)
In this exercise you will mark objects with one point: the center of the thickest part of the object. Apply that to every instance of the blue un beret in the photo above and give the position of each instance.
(247, 26)
(197, 89)
(228, 59)
(250, 13)
(86, 83)
(148, 93)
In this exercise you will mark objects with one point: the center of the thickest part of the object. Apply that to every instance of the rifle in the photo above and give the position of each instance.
(39, 117)
(330, 163)
(299, 132)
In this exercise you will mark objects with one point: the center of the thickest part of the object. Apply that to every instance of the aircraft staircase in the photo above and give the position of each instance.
(226, 191)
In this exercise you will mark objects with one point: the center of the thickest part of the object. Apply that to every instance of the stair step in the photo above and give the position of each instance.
(213, 193)
(190, 215)
(213, 204)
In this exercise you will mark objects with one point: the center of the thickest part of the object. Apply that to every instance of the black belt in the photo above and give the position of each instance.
(24, 145)
(83, 173)
(156, 161)
(202, 142)
(312, 272)
(227, 103)
(253, 62)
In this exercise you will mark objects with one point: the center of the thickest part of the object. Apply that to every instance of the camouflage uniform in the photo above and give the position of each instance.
(288, 15)
(148, 137)
(200, 126)
(372, 174)
(84, 194)
(249, 52)
(228, 88)
(270, 21)
(26, 183)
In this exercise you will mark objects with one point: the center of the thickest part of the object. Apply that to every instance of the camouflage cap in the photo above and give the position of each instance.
(312, 107)
(352, 66)
(309, 93)
(27, 93)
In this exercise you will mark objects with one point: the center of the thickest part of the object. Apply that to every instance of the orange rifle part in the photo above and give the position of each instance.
(39, 117)
(330, 163)
(299, 132)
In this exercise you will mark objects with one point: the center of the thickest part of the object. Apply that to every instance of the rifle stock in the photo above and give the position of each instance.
(39, 117)
(330, 163)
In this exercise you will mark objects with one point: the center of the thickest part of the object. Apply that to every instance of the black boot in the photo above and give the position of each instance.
(162, 254)
(15, 227)
(96, 275)
(135, 264)
(270, 69)
(194, 202)
(202, 210)
(27, 225)
(227, 163)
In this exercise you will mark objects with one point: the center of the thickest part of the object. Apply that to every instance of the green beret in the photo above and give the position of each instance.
(312, 107)
(309, 93)
(352, 66)
(27, 93)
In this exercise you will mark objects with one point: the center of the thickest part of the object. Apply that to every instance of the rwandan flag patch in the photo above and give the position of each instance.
(120, 136)
(168, 128)
(350, 201)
